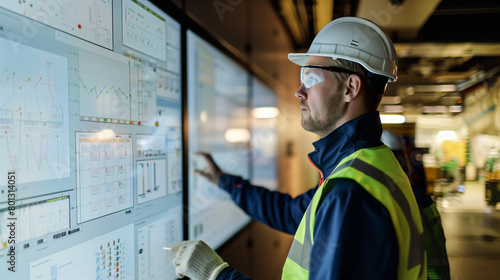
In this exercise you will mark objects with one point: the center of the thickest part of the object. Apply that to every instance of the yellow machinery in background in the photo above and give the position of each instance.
(492, 180)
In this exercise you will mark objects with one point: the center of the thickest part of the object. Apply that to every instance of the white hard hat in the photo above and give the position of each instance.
(355, 39)
(393, 141)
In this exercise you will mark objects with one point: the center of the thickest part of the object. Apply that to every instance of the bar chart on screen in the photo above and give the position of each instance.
(151, 179)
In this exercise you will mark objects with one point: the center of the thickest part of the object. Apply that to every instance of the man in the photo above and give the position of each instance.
(362, 221)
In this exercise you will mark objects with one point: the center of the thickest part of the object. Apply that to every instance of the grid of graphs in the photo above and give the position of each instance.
(104, 174)
(90, 124)
(34, 133)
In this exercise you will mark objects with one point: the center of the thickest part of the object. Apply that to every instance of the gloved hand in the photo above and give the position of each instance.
(196, 260)
(212, 173)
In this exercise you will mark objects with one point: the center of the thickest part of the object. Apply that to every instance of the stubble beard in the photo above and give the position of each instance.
(323, 125)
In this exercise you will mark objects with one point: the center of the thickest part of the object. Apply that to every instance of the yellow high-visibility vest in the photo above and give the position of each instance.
(379, 173)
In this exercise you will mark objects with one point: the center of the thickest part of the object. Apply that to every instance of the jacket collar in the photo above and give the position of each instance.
(361, 132)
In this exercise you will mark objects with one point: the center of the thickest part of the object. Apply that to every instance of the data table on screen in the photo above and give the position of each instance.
(109, 256)
(153, 261)
(35, 220)
(104, 174)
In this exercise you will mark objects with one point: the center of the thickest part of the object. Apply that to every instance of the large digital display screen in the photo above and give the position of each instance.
(90, 130)
(264, 132)
(218, 109)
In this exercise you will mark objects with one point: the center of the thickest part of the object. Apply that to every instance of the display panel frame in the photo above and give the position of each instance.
(232, 156)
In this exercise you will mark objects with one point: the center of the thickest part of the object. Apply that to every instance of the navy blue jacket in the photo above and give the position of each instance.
(353, 232)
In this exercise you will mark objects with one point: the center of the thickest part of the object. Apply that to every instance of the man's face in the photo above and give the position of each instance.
(322, 105)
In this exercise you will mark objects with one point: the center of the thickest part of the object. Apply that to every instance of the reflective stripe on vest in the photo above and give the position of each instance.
(299, 255)
(300, 252)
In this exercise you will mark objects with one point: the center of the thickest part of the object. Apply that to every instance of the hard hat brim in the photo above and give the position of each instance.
(301, 60)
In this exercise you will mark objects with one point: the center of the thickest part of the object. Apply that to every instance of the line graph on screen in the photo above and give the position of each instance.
(104, 87)
(34, 136)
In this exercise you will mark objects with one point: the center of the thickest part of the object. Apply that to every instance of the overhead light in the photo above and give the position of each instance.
(455, 109)
(430, 88)
(447, 135)
(235, 135)
(203, 116)
(394, 119)
(393, 109)
(265, 112)
(436, 88)
(434, 109)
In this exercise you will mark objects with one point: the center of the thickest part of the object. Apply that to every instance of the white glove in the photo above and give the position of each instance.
(196, 260)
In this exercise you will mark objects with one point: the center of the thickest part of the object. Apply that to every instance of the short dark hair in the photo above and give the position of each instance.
(374, 84)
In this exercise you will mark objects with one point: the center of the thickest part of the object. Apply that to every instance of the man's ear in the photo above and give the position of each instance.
(353, 87)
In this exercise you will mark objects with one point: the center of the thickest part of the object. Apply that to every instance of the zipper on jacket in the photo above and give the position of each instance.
(321, 173)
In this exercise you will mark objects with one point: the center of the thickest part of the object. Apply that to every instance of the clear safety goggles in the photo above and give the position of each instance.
(311, 75)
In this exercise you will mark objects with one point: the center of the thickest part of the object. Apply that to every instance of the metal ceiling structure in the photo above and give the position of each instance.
(444, 46)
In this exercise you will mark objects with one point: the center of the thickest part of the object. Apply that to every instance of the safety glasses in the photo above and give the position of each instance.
(311, 75)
